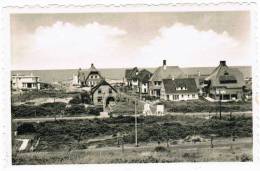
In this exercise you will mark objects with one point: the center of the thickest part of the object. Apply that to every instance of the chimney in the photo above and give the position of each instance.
(164, 64)
(223, 63)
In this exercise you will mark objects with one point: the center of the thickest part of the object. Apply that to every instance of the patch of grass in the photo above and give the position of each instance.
(204, 106)
(67, 134)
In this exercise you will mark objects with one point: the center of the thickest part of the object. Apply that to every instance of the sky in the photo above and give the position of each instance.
(123, 40)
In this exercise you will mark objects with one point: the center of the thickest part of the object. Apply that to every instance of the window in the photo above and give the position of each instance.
(145, 91)
(99, 99)
(168, 97)
(188, 95)
(91, 76)
(157, 83)
(182, 95)
(99, 91)
(110, 90)
(193, 95)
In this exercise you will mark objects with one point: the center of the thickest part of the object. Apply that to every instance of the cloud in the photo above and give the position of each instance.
(64, 45)
(186, 46)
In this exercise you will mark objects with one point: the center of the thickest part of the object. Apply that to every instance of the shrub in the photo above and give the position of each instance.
(75, 100)
(245, 158)
(26, 128)
(94, 110)
(76, 109)
(160, 149)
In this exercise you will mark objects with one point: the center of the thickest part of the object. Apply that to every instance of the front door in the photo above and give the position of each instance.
(158, 93)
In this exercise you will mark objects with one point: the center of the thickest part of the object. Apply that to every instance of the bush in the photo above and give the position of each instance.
(161, 149)
(26, 128)
(75, 100)
(76, 109)
(245, 158)
(46, 109)
(94, 110)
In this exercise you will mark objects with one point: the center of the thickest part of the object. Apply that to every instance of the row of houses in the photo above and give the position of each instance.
(171, 83)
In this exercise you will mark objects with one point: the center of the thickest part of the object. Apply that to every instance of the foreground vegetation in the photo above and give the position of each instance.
(61, 135)
(159, 154)
(205, 106)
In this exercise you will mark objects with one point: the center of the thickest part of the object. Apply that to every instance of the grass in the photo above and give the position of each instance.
(53, 109)
(138, 155)
(204, 106)
(127, 108)
(29, 95)
(61, 135)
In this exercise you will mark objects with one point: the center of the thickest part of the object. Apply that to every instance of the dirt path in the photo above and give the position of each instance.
(24, 144)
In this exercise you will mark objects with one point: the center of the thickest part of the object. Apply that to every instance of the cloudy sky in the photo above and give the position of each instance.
(116, 40)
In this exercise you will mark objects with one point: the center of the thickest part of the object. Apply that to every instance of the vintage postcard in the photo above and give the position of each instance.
(130, 84)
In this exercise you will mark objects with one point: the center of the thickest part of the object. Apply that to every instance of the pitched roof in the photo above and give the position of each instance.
(144, 76)
(171, 86)
(131, 73)
(223, 76)
(169, 72)
(102, 82)
(91, 70)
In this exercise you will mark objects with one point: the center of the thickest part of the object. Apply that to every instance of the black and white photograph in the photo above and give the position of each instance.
(110, 87)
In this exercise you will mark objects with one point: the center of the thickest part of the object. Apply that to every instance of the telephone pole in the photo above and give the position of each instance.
(136, 142)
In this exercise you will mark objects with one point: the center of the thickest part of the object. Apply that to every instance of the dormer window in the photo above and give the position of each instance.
(181, 88)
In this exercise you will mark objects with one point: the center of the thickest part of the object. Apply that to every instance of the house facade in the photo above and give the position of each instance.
(103, 94)
(162, 72)
(224, 83)
(143, 81)
(179, 89)
(131, 76)
(25, 82)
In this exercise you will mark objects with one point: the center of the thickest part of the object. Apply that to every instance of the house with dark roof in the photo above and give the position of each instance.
(162, 72)
(179, 89)
(103, 94)
(131, 76)
(225, 83)
(143, 80)
(90, 77)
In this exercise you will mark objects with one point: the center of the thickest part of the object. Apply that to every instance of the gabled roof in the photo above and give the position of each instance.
(144, 75)
(131, 73)
(93, 70)
(171, 86)
(223, 73)
(102, 82)
(169, 72)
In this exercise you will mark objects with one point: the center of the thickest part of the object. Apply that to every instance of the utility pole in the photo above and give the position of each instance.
(220, 117)
(122, 141)
(136, 142)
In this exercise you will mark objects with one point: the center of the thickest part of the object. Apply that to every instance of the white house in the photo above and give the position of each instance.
(179, 89)
(25, 82)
